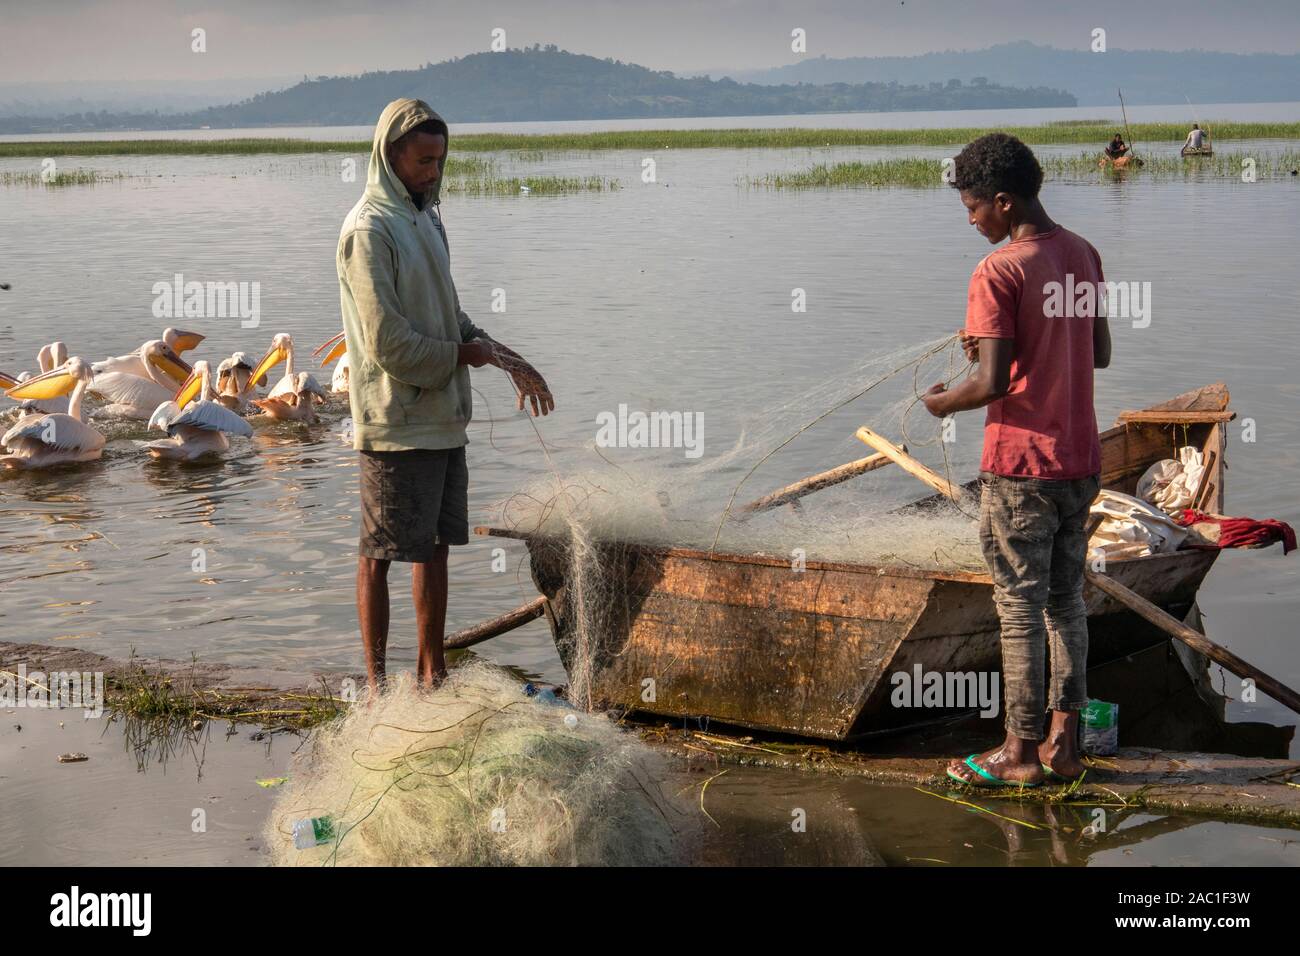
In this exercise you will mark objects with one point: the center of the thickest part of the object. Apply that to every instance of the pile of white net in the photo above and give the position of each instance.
(476, 773)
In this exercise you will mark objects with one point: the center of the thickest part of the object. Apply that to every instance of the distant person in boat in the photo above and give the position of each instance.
(411, 347)
(1039, 472)
(1195, 139)
(1117, 147)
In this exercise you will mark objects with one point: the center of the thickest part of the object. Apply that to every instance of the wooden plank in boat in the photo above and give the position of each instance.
(1174, 418)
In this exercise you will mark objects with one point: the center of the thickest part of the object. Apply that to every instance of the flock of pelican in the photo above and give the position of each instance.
(155, 384)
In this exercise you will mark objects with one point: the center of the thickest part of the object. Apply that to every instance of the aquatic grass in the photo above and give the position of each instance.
(76, 177)
(914, 172)
(1058, 132)
(528, 185)
(919, 173)
(166, 698)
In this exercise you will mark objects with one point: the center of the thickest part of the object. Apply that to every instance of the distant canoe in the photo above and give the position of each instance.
(1198, 150)
(1122, 162)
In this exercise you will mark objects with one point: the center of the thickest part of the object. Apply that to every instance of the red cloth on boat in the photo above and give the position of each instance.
(1243, 532)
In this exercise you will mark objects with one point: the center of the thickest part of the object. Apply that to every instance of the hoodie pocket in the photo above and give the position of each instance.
(383, 399)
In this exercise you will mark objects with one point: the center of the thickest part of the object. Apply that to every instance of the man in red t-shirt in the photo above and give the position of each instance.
(1036, 328)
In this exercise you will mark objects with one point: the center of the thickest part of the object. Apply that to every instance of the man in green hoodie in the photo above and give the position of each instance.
(411, 346)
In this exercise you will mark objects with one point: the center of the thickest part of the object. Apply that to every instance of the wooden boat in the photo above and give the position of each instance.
(1197, 151)
(743, 640)
(1127, 161)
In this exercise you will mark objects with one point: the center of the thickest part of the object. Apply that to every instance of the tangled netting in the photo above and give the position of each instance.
(657, 499)
(598, 501)
(476, 773)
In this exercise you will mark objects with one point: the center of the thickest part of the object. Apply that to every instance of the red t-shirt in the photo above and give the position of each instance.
(1045, 426)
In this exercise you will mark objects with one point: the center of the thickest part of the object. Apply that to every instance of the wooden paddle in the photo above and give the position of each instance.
(909, 464)
(817, 482)
(497, 626)
(1193, 639)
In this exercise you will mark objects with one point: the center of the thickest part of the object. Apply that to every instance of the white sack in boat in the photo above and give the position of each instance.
(1171, 484)
(1132, 528)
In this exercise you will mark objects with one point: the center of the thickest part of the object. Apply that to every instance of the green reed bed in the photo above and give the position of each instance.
(1058, 132)
(528, 185)
(915, 172)
(75, 177)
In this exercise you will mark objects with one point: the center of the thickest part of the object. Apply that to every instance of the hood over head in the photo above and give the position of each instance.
(382, 183)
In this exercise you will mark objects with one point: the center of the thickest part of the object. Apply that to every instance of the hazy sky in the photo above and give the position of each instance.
(77, 40)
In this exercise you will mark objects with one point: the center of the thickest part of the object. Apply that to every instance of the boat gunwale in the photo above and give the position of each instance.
(879, 570)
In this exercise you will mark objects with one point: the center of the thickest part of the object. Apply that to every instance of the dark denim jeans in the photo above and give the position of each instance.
(1032, 531)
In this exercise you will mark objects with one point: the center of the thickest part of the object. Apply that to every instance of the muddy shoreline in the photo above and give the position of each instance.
(1221, 786)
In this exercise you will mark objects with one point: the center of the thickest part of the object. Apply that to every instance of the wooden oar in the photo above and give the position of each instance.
(497, 626)
(909, 464)
(816, 482)
(1195, 640)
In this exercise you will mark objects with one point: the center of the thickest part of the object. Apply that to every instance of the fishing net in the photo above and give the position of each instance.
(599, 507)
(476, 773)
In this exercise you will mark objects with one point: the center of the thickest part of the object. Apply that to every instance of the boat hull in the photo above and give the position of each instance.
(748, 641)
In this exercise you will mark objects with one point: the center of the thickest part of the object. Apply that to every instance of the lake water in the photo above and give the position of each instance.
(674, 295)
(916, 119)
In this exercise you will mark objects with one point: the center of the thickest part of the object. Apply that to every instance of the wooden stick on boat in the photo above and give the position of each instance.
(1195, 640)
(1204, 485)
(497, 626)
(908, 463)
(817, 482)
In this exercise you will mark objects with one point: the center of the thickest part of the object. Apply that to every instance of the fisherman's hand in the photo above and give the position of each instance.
(970, 345)
(476, 354)
(934, 403)
(529, 384)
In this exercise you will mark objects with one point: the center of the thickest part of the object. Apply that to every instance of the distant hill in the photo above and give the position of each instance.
(1146, 76)
(551, 84)
(67, 97)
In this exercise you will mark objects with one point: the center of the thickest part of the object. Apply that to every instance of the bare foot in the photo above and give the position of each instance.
(1000, 764)
(1061, 759)
(1060, 749)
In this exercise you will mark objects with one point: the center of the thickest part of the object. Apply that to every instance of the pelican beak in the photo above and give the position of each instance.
(336, 346)
(188, 390)
(52, 384)
(172, 365)
(7, 381)
(187, 340)
(273, 357)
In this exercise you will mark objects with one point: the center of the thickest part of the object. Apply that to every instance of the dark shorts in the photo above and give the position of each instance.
(412, 501)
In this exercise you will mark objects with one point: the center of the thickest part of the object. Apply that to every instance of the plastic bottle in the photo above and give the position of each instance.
(313, 831)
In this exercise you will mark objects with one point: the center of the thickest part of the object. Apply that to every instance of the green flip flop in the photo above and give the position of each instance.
(986, 779)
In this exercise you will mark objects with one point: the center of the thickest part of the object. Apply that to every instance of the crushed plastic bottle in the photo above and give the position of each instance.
(313, 831)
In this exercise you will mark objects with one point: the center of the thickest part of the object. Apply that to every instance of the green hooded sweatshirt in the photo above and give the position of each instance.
(401, 314)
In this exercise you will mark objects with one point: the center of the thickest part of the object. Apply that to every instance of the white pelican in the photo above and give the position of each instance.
(281, 350)
(177, 340)
(41, 440)
(49, 358)
(195, 428)
(234, 382)
(337, 349)
(298, 405)
(136, 396)
(294, 395)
